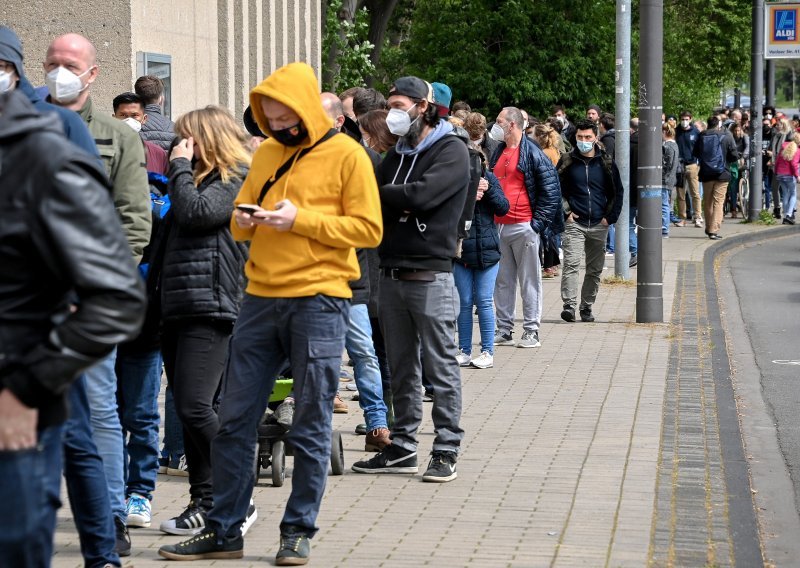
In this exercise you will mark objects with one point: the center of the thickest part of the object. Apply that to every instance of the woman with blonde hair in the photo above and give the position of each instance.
(549, 141)
(788, 172)
(201, 284)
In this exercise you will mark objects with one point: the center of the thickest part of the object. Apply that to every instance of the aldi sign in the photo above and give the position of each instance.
(782, 40)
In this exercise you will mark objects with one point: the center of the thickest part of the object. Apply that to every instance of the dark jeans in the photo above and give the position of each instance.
(194, 354)
(386, 375)
(310, 332)
(29, 488)
(86, 483)
(422, 316)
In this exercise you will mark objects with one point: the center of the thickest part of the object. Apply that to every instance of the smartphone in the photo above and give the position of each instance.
(249, 209)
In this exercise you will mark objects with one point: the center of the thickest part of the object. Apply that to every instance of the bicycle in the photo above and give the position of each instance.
(744, 193)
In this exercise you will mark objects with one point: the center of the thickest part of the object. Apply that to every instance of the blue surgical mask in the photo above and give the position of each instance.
(585, 147)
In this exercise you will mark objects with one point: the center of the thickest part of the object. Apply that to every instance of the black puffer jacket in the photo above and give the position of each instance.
(158, 129)
(203, 267)
(541, 182)
(61, 244)
(481, 249)
(592, 187)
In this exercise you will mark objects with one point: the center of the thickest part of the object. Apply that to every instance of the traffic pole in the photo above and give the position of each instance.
(756, 94)
(622, 145)
(650, 285)
(770, 81)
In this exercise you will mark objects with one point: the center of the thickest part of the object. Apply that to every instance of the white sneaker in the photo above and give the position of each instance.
(250, 518)
(483, 361)
(138, 511)
(462, 358)
(698, 222)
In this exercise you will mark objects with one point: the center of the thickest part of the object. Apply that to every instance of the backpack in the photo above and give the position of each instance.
(159, 206)
(712, 162)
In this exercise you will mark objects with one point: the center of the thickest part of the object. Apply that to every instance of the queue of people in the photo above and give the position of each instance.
(363, 223)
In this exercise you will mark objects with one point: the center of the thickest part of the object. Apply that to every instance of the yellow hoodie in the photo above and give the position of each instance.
(333, 187)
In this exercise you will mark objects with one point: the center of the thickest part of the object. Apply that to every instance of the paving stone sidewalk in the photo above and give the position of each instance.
(597, 449)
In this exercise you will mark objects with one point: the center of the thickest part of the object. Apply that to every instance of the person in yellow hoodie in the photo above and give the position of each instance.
(321, 202)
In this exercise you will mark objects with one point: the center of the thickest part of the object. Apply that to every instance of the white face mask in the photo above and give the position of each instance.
(497, 133)
(5, 81)
(133, 123)
(686, 123)
(64, 85)
(399, 122)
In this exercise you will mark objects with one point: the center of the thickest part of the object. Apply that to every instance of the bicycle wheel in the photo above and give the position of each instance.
(744, 196)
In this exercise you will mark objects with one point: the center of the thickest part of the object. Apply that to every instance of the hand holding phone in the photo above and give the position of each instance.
(247, 208)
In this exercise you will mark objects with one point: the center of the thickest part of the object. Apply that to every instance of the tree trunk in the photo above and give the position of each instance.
(347, 13)
(380, 12)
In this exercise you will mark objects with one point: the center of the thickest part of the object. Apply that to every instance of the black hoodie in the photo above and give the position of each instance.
(61, 245)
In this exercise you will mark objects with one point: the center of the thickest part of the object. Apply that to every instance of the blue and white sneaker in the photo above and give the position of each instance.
(138, 510)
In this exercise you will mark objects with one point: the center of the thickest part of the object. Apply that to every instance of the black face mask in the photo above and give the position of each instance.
(291, 136)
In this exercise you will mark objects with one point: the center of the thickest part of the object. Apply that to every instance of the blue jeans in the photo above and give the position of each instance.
(29, 492)
(101, 389)
(86, 483)
(788, 194)
(358, 344)
(310, 333)
(632, 242)
(475, 287)
(139, 384)
(665, 210)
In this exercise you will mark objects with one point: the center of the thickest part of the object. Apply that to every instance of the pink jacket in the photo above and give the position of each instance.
(784, 167)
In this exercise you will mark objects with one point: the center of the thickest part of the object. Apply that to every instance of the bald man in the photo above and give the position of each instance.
(71, 67)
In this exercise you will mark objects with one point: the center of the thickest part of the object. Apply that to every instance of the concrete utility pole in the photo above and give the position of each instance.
(770, 80)
(623, 139)
(756, 92)
(650, 285)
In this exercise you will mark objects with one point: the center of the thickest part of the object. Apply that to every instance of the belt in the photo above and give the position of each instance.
(411, 274)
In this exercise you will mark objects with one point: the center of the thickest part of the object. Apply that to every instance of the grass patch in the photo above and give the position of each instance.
(618, 281)
(764, 218)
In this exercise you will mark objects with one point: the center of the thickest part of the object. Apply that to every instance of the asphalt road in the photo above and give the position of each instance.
(767, 280)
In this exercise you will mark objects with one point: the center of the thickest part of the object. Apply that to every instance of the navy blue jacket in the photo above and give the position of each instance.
(686, 139)
(541, 182)
(591, 187)
(481, 249)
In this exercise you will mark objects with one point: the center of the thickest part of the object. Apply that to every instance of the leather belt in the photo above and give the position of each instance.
(410, 274)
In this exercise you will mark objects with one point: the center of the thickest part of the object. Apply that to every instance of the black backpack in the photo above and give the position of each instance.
(712, 162)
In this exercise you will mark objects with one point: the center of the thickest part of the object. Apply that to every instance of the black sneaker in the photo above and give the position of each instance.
(393, 459)
(191, 521)
(250, 518)
(123, 544)
(586, 314)
(568, 314)
(294, 550)
(635, 260)
(205, 545)
(442, 467)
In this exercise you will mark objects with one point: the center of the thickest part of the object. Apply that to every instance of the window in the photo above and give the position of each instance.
(160, 66)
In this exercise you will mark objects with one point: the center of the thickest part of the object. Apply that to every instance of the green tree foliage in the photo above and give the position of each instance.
(345, 49)
(498, 52)
(706, 49)
(536, 53)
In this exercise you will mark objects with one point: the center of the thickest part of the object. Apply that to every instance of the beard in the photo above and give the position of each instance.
(414, 131)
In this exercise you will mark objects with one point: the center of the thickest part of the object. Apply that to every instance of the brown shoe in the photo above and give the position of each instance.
(377, 440)
(340, 406)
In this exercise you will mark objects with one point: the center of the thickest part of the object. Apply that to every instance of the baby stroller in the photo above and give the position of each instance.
(271, 449)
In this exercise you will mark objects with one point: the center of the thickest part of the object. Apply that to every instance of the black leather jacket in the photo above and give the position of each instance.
(69, 290)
